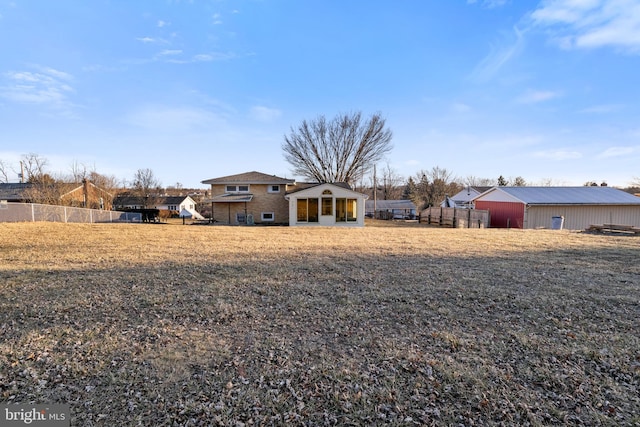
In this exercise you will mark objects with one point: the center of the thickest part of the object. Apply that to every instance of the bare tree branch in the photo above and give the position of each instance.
(4, 171)
(34, 166)
(145, 184)
(341, 150)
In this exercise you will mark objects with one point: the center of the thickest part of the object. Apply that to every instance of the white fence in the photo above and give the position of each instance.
(31, 212)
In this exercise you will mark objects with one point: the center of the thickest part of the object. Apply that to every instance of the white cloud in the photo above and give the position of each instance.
(162, 23)
(170, 52)
(616, 152)
(203, 57)
(460, 107)
(146, 39)
(558, 155)
(264, 114)
(591, 23)
(47, 86)
(536, 96)
(490, 4)
(507, 48)
(216, 19)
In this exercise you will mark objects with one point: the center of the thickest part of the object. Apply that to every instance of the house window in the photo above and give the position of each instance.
(236, 189)
(241, 218)
(274, 189)
(346, 210)
(267, 216)
(351, 209)
(301, 210)
(327, 206)
(307, 210)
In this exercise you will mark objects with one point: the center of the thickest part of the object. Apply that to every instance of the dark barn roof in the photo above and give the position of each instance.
(568, 195)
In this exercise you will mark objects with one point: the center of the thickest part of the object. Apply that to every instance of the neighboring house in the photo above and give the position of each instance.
(464, 198)
(85, 195)
(184, 205)
(259, 198)
(15, 192)
(390, 209)
(173, 205)
(326, 204)
(249, 198)
(581, 207)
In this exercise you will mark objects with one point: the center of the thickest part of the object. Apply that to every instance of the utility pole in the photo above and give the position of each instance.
(375, 192)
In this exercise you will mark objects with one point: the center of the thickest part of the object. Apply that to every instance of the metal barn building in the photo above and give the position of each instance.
(581, 207)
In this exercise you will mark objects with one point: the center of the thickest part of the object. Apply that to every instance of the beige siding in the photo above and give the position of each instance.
(581, 217)
(263, 201)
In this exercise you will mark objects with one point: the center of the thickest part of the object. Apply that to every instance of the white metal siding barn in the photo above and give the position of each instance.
(581, 207)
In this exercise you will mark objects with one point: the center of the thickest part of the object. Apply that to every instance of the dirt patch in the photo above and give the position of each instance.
(137, 324)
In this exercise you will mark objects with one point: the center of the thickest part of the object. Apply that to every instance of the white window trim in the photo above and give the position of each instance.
(236, 188)
(273, 216)
(270, 188)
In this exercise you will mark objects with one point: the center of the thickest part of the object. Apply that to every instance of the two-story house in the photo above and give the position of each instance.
(258, 198)
(249, 198)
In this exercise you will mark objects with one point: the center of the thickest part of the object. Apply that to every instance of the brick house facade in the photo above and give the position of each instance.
(249, 198)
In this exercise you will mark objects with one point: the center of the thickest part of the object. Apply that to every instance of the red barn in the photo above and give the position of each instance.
(579, 207)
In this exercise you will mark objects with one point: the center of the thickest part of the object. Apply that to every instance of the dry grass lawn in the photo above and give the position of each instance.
(163, 325)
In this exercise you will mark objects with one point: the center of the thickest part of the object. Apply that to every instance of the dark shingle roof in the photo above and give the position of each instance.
(250, 178)
(14, 191)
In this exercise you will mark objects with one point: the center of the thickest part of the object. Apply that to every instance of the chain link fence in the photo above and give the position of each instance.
(31, 212)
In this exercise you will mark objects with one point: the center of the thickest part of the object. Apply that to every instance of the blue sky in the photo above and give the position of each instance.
(546, 90)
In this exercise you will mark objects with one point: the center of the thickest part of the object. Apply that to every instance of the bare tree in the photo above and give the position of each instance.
(78, 172)
(547, 182)
(479, 182)
(4, 171)
(34, 167)
(106, 182)
(431, 187)
(518, 181)
(340, 150)
(144, 185)
(390, 183)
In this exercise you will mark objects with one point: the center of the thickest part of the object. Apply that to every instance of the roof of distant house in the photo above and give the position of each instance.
(391, 205)
(129, 200)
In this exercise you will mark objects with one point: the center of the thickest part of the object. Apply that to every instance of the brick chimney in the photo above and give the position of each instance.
(86, 200)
